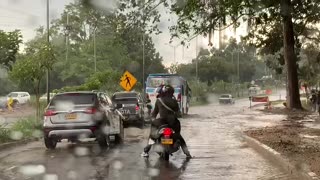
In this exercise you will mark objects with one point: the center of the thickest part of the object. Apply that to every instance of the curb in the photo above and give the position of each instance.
(276, 158)
(17, 143)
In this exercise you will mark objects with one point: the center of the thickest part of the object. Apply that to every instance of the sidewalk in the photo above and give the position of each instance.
(296, 139)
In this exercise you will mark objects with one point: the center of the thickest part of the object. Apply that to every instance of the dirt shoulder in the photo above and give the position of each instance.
(22, 111)
(297, 138)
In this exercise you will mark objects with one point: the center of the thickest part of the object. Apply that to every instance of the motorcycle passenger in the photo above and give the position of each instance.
(168, 115)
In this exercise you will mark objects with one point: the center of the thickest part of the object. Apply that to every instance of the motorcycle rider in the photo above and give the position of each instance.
(168, 116)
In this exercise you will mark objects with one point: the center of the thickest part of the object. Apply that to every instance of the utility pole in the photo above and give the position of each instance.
(67, 37)
(183, 53)
(238, 66)
(94, 50)
(174, 54)
(232, 76)
(143, 62)
(143, 49)
(197, 58)
(238, 72)
(197, 78)
(48, 41)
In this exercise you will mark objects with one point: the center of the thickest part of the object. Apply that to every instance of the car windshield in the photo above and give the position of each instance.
(13, 95)
(105, 60)
(157, 81)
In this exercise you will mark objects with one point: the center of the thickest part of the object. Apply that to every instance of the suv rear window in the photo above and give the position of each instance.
(75, 98)
(125, 98)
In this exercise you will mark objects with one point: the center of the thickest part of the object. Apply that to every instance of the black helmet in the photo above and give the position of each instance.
(165, 90)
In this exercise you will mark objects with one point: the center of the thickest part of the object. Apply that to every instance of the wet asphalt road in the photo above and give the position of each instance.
(213, 134)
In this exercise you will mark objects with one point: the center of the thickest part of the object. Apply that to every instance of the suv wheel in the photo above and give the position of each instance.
(50, 143)
(120, 137)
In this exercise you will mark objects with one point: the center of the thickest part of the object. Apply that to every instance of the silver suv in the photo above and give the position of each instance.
(76, 115)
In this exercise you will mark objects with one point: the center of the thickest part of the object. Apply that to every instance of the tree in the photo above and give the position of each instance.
(118, 43)
(31, 68)
(9, 46)
(201, 17)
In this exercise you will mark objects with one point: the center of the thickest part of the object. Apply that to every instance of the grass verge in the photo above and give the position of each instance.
(23, 129)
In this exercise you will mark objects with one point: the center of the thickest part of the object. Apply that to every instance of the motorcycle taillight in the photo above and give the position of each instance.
(167, 132)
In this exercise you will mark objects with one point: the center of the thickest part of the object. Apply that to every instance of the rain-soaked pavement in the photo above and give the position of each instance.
(213, 134)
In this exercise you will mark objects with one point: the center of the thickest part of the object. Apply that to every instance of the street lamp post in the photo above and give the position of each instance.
(94, 50)
(174, 50)
(48, 41)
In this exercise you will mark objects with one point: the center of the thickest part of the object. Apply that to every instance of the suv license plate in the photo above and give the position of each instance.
(71, 116)
(166, 141)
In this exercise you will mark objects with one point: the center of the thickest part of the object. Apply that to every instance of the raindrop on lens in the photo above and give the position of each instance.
(81, 151)
(72, 175)
(37, 134)
(16, 135)
(153, 172)
(118, 165)
(32, 170)
(96, 149)
(50, 177)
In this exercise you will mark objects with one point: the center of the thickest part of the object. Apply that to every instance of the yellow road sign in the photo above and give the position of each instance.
(127, 81)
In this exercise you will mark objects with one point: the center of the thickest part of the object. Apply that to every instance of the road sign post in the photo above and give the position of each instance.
(127, 81)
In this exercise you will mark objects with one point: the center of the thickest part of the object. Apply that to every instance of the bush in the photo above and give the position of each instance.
(5, 135)
(199, 91)
(27, 127)
(22, 129)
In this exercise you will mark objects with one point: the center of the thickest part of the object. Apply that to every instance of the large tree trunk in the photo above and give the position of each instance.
(293, 95)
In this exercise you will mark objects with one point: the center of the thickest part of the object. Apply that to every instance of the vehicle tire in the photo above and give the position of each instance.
(166, 156)
(103, 140)
(141, 123)
(120, 137)
(50, 143)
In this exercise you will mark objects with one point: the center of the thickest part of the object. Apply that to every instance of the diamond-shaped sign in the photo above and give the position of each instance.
(127, 81)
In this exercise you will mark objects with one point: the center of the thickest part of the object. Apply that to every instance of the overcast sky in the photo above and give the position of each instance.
(27, 15)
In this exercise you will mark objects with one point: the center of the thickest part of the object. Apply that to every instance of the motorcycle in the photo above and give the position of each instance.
(165, 142)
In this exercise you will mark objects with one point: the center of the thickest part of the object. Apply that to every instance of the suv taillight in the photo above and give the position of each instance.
(50, 113)
(91, 110)
(179, 97)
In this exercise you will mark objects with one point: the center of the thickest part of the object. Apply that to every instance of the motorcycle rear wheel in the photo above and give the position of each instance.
(166, 156)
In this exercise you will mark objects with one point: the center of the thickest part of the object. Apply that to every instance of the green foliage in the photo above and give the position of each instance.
(118, 43)
(216, 65)
(29, 128)
(203, 17)
(9, 46)
(4, 135)
(309, 66)
(199, 91)
(106, 81)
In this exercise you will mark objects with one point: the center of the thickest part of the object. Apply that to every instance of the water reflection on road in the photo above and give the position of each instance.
(213, 134)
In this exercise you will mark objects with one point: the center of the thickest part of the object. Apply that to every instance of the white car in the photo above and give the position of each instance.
(19, 97)
(44, 97)
(226, 99)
